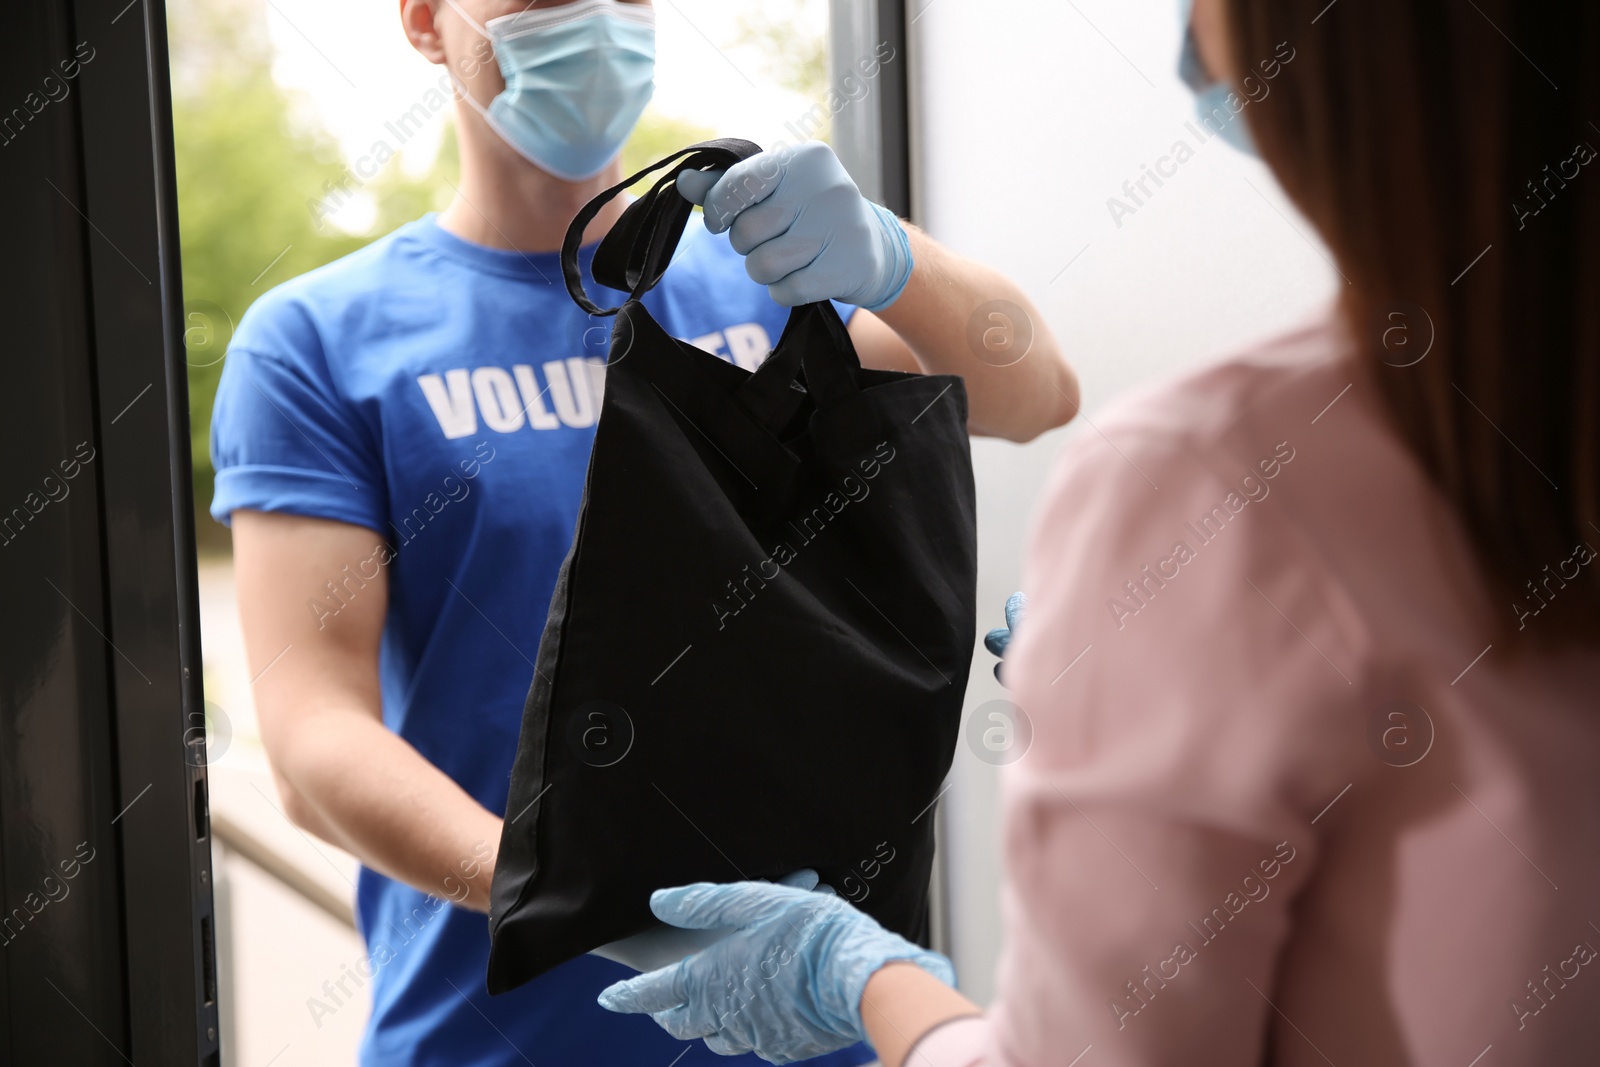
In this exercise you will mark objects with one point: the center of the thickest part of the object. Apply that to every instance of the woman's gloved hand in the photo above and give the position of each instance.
(999, 639)
(805, 230)
(786, 984)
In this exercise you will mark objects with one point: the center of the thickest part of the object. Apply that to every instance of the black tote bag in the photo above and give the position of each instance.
(756, 654)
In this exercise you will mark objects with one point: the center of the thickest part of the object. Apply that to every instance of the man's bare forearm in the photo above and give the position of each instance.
(342, 774)
(372, 794)
(1017, 399)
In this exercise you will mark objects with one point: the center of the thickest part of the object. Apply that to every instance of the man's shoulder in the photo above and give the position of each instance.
(300, 313)
(367, 271)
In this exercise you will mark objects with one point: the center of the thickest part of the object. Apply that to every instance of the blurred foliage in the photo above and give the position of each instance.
(656, 138)
(794, 58)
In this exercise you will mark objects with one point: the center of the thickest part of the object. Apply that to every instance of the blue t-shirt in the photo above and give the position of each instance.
(444, 395)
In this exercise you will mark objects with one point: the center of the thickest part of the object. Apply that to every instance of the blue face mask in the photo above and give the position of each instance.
(1211, 95)
(577, 79)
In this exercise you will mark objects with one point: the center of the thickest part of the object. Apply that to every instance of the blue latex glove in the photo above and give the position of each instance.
(998, 640)
(663, 945)
(786, 984)
(805, 230)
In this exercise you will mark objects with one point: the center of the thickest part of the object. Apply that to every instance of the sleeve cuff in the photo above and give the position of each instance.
(959, 1042)
(294, 491)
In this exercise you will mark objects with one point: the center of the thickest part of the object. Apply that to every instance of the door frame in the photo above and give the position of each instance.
(102, 723)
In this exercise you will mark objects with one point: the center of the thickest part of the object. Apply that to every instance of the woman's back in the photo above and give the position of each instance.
(1283, 800)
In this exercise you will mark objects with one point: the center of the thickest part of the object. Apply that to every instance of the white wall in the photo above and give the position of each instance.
(1026, 119)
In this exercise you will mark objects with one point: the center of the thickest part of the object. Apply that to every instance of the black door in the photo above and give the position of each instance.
(105, 935)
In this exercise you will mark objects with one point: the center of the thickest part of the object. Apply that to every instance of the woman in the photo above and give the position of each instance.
(1313, 771)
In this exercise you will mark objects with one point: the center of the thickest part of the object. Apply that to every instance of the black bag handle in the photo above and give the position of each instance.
(817, 340)
(635, 254)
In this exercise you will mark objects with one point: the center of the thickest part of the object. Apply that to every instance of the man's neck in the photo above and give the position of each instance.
(503, 201)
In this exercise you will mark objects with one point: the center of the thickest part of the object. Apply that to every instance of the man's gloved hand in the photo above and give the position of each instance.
(999, 639)
(805, 230)
(786, 984)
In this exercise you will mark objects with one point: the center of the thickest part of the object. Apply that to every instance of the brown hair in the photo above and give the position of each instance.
(1446, 153)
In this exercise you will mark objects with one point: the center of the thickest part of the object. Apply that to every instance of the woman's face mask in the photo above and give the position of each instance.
(577, 79)
(1211, 95)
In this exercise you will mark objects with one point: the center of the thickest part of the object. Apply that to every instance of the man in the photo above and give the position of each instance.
(401, 439)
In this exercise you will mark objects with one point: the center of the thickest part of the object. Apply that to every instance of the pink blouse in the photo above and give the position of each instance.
(1284, 803)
